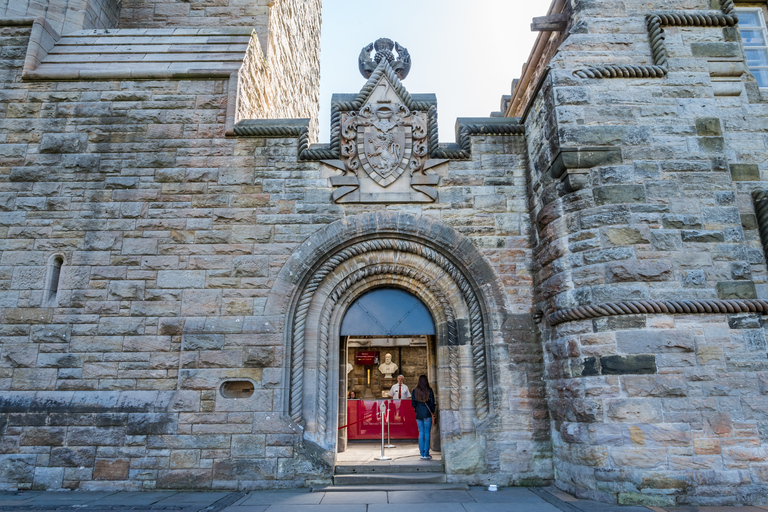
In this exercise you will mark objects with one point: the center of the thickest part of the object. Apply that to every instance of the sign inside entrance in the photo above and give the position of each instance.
(367, 358)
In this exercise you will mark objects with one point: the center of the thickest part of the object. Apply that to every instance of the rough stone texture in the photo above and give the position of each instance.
(66, 16)
(673, 221)
(186, 254)
(174, 239)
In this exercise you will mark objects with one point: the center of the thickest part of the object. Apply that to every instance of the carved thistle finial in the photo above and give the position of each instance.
(401, 64)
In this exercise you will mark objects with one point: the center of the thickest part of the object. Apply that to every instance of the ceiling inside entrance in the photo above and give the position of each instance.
(387, 312)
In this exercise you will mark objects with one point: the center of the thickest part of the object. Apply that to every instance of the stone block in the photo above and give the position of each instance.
(193, 479)
(708, 127)
(110, 326)
(28, 315)
(702, 236)
(181, 279)
(29, 379)
(626, 236)
(63, 142)
(201, 302)
(736, 290)
(628, 365)
(259, 357)
(43, 436)
(95, 436)
(634, 410)
(620, 322)
(48, 478)
(245, 469)
(73, 456)
(111, 469)
(638, 270)
(654, 341)
(250, 266)
(202, 342)
(745, 172)
(663, 386)
(248, 445)
(619, 194)
(151, 424)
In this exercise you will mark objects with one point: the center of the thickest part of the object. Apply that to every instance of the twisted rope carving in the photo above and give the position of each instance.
(276, 130)
(302, 309)
(677, 307)
(760, 200)
(336, 294)
(432, 136)
(462, 150)
(655, 24)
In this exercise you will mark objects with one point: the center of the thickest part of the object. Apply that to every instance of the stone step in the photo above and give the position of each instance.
(364, 469)
(392, 487)
(396, 480)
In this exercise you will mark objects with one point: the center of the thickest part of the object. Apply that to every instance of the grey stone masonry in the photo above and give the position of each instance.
(149, 257)
(648, 266)
(177, 255)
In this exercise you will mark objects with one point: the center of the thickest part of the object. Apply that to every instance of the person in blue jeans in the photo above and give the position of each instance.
(423, 401)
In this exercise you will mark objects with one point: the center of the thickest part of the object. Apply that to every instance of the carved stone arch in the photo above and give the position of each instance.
(440, 301)
(399, 234)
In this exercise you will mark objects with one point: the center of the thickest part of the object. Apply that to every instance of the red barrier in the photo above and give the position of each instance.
(364, 423)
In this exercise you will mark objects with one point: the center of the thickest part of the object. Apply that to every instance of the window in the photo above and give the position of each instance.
(755, 41)
(52, 282)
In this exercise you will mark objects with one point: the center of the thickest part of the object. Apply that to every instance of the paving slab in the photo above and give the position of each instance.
(503, 495)
(352, 497)
(316, 508)
(133, 499)
(398, 507)
(201, 499)
(541, 506)
(282, 498)
(247, 508)
(430, 497)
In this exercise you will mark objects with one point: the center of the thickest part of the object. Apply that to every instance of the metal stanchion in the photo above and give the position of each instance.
(389, 441)
(382, 409)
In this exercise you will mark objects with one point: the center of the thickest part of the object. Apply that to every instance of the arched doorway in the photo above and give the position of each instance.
(341, 263)
(386, 333)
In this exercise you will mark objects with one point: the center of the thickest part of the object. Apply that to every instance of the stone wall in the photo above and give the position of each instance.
(172, 236)
(641, 193)
(66, 16)
(280, 76)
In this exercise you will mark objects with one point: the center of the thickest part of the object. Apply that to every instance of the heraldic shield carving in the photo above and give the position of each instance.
(384, 150)
(384, 139)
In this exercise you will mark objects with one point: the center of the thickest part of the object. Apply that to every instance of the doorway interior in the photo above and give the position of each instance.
(385, 333)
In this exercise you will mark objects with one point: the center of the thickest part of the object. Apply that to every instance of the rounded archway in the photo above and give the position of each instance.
(388, 339)
(427, 259)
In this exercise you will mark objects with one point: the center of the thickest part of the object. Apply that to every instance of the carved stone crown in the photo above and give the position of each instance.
(383, 46)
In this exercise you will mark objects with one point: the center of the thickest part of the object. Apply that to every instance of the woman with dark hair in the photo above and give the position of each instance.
(423, 401)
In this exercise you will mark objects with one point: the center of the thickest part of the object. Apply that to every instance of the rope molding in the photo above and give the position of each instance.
(381, 270)
(760, 201)
(461, 150)
(302, 311)
(656, 23)
(675, 307)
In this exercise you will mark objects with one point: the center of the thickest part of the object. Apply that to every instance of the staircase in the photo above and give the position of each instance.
(369, 474)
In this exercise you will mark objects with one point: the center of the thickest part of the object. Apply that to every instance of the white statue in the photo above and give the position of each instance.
(388, 367)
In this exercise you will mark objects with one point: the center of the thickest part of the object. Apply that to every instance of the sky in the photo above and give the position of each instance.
(467, 52)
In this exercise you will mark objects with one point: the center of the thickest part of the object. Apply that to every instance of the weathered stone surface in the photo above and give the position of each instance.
(654, 341)
(628, 365)
(638, 271)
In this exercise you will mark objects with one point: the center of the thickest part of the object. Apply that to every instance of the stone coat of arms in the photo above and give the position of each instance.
(384, 138)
